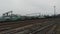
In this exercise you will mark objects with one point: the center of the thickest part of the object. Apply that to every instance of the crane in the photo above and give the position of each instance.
(7, 14)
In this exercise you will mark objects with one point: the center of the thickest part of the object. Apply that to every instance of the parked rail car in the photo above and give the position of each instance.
(20, 18)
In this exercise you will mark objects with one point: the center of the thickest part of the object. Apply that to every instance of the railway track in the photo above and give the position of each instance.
(36, 29)
(47, 27)
(20, 28)
(12, 25)
(29, 29)
(5, 25)
(45, 30)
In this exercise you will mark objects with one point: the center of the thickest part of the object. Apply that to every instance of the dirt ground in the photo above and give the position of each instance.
(12, 25)
(28, 22)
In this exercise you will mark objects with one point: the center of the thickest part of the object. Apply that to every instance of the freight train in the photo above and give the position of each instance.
(9, 16)
(19, 18)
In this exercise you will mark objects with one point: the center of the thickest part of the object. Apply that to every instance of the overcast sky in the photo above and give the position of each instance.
(29, 6)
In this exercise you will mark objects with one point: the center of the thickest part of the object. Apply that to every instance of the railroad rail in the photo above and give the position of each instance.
(48, 27)
(33, 31)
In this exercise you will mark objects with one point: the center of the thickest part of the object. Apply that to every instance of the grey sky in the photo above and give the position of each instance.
(29, 6)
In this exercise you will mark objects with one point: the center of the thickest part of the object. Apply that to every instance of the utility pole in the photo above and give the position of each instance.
(11, 14)
(54, 11)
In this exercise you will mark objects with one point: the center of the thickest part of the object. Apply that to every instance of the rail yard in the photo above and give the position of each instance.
(29, 16)
(37, 26)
